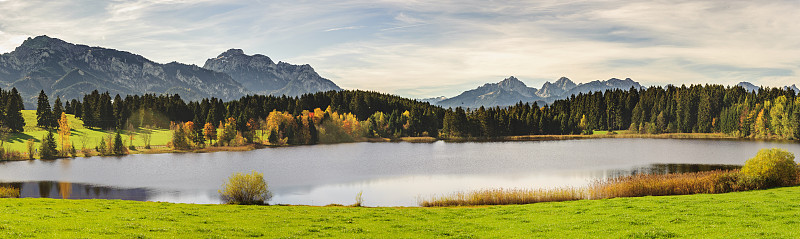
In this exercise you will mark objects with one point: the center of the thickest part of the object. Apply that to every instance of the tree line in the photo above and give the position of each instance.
(767, 113)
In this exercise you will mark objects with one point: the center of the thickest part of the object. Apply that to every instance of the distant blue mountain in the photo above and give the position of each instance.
(748, 86)
(511, 91)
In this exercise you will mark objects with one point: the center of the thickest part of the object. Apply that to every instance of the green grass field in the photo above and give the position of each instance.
(773, 213)
(80, 136)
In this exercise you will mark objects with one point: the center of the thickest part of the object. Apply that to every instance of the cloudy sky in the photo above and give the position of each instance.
(431, 48)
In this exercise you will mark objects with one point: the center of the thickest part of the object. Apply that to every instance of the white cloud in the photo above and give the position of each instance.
(343, 28)
(431, 48)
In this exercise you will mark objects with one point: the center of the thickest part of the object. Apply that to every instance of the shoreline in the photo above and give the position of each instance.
(162, 149)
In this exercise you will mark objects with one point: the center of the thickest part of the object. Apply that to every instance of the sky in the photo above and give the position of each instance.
(424, 49)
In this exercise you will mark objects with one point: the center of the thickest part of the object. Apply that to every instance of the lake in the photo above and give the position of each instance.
(388, 174)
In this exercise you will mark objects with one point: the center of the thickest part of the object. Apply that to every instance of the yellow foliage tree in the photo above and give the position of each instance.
(64, 132)
(228, 131)
(282, 124)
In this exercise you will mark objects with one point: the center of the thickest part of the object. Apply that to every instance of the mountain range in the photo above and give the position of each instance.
(71, 70)
(511, 91)
(753, 88)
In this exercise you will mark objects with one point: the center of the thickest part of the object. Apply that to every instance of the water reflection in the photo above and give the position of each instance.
(389, 174)
(67, 190)
(384, 189)
(671, 168)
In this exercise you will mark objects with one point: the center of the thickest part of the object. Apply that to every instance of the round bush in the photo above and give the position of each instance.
(246, 189)
(774, 167)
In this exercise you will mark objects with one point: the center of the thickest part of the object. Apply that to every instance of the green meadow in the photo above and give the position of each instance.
(773, 213)
(80, 136)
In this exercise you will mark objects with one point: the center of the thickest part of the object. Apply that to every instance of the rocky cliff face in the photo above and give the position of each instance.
(260, 75)
(70, 70)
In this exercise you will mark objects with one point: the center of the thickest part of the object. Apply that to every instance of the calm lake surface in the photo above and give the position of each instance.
(389, 174)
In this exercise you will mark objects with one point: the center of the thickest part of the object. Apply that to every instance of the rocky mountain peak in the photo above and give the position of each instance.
(259, 74)
(233, 52)
(511, 83)
(564, 83)
(561, 85)
(238, 59)
(42, 41)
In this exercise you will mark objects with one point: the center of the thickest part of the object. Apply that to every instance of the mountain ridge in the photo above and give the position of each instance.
(70, 70)
(511, 91)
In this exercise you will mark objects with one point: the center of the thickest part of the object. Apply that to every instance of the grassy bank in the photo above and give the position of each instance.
(771, 213)
(80, 137)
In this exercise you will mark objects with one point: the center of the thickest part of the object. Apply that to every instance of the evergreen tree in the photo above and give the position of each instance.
(312, 130)
(57, 110)
(119, 147)
(118, 110)
(44, 115)
(102, 146)
(179, 140)
(13, 117)
(48, 148)
(704, 114)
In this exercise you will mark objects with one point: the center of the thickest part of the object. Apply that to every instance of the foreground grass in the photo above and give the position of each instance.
(768, 213)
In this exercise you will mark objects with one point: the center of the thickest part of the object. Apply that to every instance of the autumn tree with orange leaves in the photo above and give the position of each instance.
(209, 132)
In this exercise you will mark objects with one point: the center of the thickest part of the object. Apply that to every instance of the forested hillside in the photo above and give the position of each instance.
(769, 113)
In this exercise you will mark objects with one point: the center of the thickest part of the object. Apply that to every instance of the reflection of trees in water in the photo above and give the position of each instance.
(671, 168)
(67, 190)
(44, 189)
(64, 189)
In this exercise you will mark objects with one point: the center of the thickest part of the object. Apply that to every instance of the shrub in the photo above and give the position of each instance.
(7, 192)
(247, 189)
(31, 150)
(101, 147)
(772, 167)
(359, 200)
(10, 155)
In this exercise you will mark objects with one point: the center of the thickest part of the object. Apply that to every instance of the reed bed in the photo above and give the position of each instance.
(503, 196)
(719, 181)
(9, 192)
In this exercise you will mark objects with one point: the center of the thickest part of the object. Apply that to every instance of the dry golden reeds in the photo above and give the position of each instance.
(503, 196)
(9, 192)
(720, 181)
